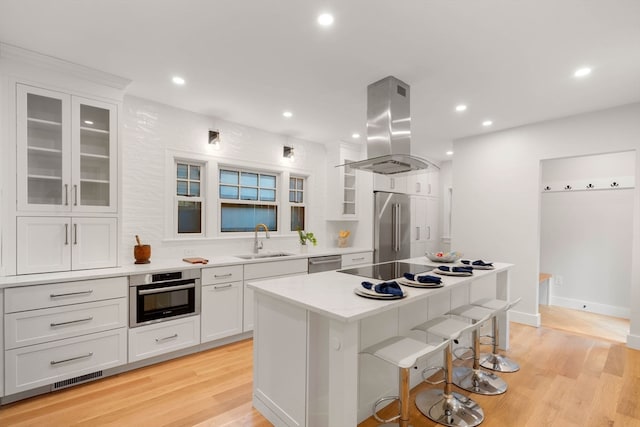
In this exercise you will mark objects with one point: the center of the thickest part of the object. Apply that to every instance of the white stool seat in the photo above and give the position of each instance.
(445, 327)
(493, 304)
(402, 352)
(473, 312)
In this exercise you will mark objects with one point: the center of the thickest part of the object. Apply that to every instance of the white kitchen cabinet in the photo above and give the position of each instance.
(342, 183)
(1, 343)
(359, 258)
(43, 364)
(67, 152)
(267, 270)
(432, 225)
(390, 183)
(164, 337)
(48, 244)
(221, 315)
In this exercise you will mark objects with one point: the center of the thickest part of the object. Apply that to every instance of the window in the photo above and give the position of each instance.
(189, 200)
(247, 198)
(296, 199)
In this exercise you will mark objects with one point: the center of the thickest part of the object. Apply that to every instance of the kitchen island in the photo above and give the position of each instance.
(309, 331)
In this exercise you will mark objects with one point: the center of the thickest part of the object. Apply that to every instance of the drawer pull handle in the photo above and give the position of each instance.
(71, 359)
(71, 294)
(53, 325)
(358, 259)
(217, 276)
(167, 338)
(222, 286)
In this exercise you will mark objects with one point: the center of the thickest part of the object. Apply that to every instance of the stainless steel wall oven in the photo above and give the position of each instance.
(163, 296)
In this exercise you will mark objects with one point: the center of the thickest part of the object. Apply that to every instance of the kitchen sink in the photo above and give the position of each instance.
(264, 255)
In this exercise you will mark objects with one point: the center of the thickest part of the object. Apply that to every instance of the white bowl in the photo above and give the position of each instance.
(443, 256)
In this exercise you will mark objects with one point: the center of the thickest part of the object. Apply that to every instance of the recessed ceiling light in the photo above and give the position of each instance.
(178, 80)
(487, 123)
(355, 136)
(460, 108)
(582, 72)
(449, 153)
(287, 114)
(88, 122)
(326, 19)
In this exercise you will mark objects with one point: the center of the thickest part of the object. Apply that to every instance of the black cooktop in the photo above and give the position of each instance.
(387, 270)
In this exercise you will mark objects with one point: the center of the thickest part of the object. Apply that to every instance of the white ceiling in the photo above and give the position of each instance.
(247, 61)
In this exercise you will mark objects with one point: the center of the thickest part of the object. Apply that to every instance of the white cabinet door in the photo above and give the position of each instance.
(94, 243)
(417, 184)
(1, 345)
(48, 244)
(433, 242)
(43, 150)
(221, 314)
(359, 258)
(419, 228)
(390, 183)
(43, 244)
(94, 156)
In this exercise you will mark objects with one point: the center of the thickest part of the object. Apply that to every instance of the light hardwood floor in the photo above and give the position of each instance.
(567, 379)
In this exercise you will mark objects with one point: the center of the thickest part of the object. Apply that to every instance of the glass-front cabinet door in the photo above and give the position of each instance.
(44, 173)
(66, 148)
(94, 154)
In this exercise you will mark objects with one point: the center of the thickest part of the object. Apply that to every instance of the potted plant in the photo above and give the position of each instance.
(306, 236)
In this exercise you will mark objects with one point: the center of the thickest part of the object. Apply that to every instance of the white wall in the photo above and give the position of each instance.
(496, 206)
(153, 132)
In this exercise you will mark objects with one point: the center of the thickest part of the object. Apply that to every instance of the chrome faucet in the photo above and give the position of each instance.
(258, 245)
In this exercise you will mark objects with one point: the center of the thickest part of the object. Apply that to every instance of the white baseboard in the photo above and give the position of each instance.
(590, 306)
(524, 318)
(633, 341)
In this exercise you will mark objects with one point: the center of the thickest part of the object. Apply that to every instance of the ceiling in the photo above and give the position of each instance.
(246, 61)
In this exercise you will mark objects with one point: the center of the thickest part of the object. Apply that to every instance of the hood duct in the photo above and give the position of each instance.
(389, 130)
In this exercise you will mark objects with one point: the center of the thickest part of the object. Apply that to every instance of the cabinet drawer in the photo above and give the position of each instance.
(44, 364)
(231, 273)
(153, 340)
(39, 326)
(59, 294)
(221, 314)
(263, 270)
(357, 259)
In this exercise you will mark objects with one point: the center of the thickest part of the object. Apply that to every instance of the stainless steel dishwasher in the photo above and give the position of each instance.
(325, 263)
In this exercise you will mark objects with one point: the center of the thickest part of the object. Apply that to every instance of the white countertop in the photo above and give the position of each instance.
(331, 293)
(160, 265)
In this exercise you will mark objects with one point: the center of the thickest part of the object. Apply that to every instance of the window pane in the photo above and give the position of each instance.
(182, 171)
(299, 197)
(292, 183)
(267, 195)
(194, 172)
(297, 218)
(240, 217)
(250, 179)
(182, 188)
(194, 189)
(189, 214)
(228, 192)
(268, 181)
(299, 183)
(292, 196)
(228, 177)
(249, 194)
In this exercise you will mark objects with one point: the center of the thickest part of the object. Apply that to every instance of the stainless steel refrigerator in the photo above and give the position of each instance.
(391, 226)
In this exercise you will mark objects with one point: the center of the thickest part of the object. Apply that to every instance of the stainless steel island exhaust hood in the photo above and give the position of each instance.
(389, 130)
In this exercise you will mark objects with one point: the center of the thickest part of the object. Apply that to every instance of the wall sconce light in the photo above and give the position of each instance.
(214, 137)
(287, 152)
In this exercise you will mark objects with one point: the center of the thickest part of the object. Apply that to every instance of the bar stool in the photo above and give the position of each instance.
(446, 406)
(493, 360)
(402, 352)
(475, 379)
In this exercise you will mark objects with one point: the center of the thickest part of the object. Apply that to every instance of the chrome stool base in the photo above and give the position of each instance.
(454, 410)
(498, 363)
(478, 381)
